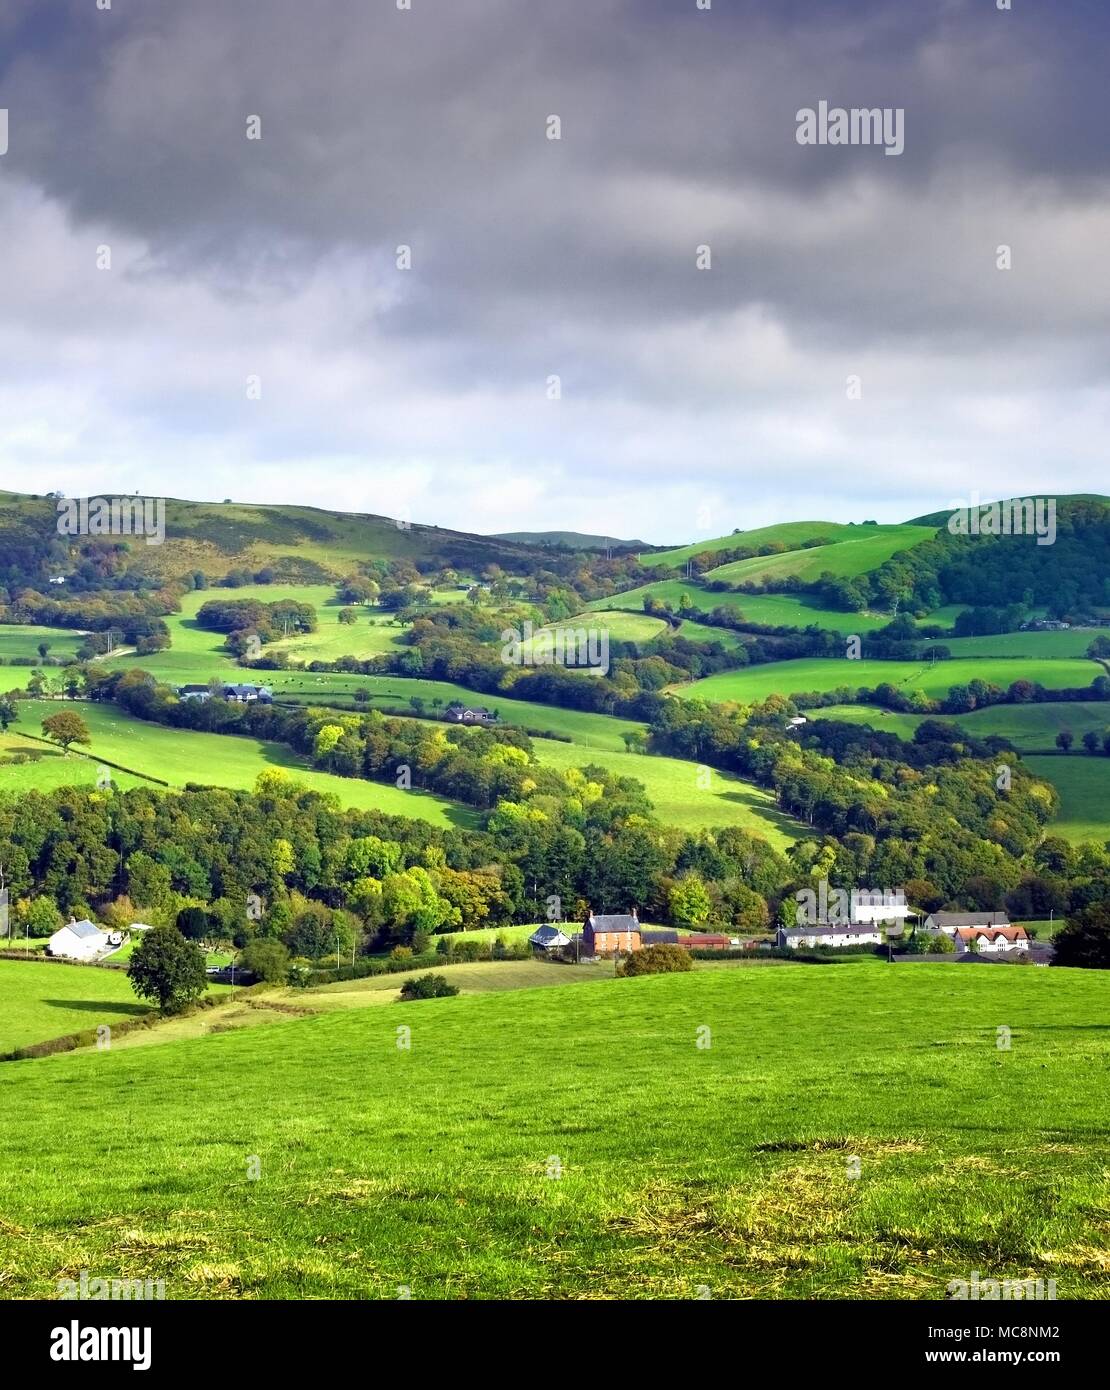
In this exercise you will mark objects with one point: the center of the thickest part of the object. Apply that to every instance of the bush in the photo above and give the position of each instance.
(428, 987)
(401, 953)
(657, 960)
(266, 960)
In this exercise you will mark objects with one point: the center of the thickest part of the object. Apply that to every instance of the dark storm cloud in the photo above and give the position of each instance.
(426, 127)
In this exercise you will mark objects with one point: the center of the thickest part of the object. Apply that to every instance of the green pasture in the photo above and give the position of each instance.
(545, 1144)
(867, 550)
(22, 640)
(935, 679)
(1030, 728)
(673, 787)
(180, 756)
(1083, 782)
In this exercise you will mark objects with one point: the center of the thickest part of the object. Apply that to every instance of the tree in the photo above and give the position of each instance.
(43, 648)
(689, 901)
(167, 969)
(66, 728)
(1064, 740)
(657, 960)
(428, 987)
(9, 713)
(267, 960)
(192, 922)
(1085, 940)
(39, 917)
(1091, 741)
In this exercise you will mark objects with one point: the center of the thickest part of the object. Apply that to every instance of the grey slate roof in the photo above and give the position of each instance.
(658, 938)
(546, 936)
(84, 928)
(613, 921)
(969, 919)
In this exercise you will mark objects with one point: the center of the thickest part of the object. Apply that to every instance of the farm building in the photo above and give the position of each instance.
(705, 941)
(992, 940)
(548, 939)
(463, 714)
(605, 933)
(860, 934)
(241, 694)
(951, 922)
(78, 941)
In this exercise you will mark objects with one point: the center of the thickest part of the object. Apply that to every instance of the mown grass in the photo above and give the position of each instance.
(394, 694)
(867, 549)
(180, 756)
(608, 1156)
(40, 1000)
(934, 678)
(683, 794)
(1083, 782)
(52, 769)
(1030, 728)
(22, 640)
(769, 610)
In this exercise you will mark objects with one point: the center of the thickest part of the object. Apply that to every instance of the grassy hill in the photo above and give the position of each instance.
(769, 610)
(866, 550)
(935, 679)
(180, 756)
(303, 544)
(568, 540)
(607, 1157)
(792, 534)
(673, 786)
(1030, 728)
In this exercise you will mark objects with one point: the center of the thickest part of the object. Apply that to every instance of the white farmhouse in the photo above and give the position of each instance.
(78, 941)
(859, 934)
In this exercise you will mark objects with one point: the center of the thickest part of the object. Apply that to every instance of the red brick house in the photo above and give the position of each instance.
(607, 933)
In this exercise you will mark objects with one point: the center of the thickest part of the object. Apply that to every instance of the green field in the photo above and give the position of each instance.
(672, 785)
(792, 534)
(869, 548)
(179, 756)
(1039, 645)
(22, 640)
(1083, 782)
(766, 610)
(393, 694)
(53, 769)
(470, 1166)
(43, 1001)
(812, 673)
(1030, 728)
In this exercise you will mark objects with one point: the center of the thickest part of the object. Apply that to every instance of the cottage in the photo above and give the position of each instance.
(78, 941)
(464, 714)
(993, 941)
(606, 933)
(246, 694)
(548, 939)
(858, 934)
(950, 922)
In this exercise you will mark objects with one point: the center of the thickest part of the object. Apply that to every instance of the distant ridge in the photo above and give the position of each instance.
(568, 540)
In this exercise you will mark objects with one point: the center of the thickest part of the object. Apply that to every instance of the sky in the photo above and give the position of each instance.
(670, 322)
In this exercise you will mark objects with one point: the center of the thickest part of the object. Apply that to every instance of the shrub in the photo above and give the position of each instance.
(428, 987)
(401, 953)
(657, 960)
(266, 960)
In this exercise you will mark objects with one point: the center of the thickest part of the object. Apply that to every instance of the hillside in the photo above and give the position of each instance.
(568, 540)
(300, 544)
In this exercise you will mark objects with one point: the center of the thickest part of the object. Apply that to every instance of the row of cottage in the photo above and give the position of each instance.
(606, 934)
